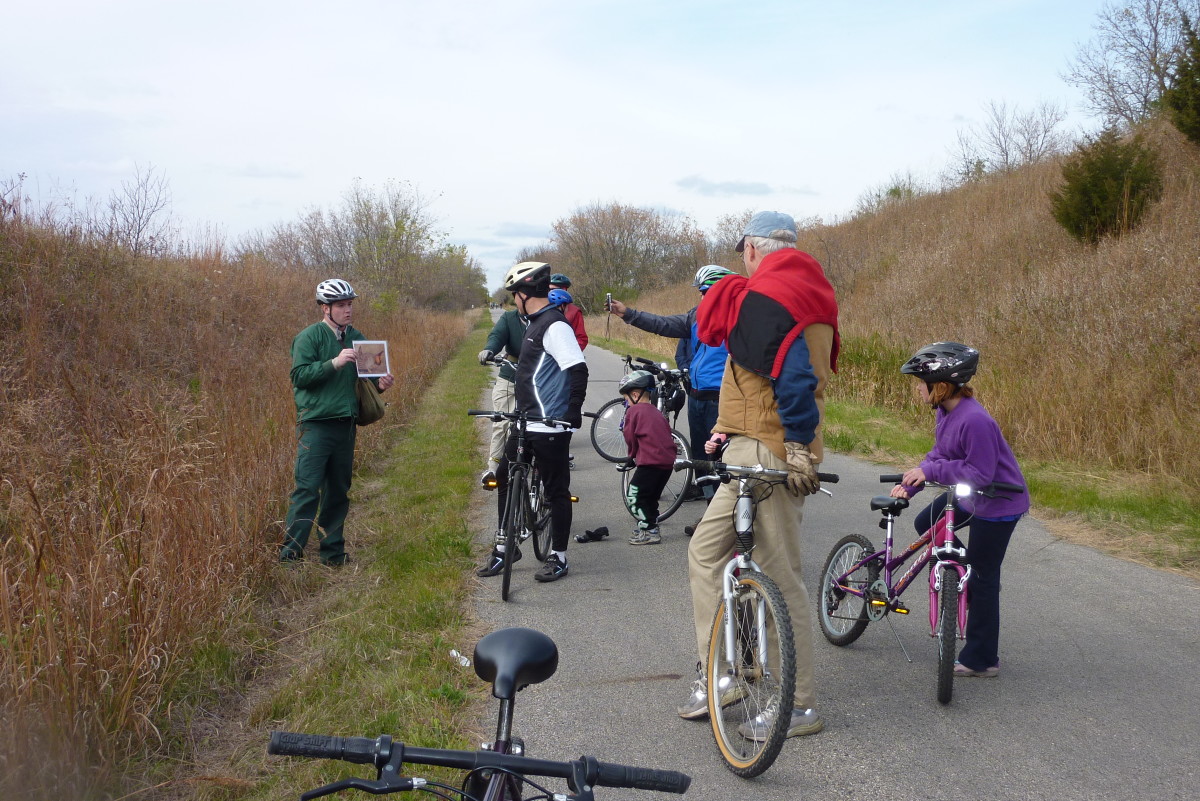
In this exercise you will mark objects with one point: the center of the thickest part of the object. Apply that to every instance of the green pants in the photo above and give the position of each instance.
(324, 467)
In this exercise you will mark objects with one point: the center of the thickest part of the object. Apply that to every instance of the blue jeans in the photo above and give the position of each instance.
(985, 553)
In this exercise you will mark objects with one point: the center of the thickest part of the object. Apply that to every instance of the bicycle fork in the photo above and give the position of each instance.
(743, 524)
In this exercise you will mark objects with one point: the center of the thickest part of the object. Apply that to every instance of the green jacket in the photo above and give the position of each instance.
(507, 335)
(322, 391)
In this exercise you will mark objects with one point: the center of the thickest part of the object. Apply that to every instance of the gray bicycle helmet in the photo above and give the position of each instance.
(334, 289)
(638, 379)
(943, 361)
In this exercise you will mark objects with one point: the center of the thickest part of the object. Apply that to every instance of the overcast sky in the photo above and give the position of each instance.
(510, 114)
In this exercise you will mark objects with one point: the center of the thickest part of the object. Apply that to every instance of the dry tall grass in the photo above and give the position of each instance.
(1089, 354)
(146, 450)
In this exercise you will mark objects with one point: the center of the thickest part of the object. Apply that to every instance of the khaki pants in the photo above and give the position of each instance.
(504, 399)
(777, 551)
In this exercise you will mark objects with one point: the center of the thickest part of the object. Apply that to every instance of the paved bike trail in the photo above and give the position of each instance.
(1098, 696)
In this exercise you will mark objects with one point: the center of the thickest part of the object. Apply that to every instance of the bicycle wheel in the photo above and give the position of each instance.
(539, 517)
(843, 615)
(673, 491)
(757, 681)
(514, 516)
(607, 438)
(947, 633)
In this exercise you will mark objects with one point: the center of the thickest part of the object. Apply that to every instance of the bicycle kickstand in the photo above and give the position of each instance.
(892, 626)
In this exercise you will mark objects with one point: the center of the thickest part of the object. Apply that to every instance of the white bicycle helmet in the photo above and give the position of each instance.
(708, 275)
(532, 277)
(334, 289)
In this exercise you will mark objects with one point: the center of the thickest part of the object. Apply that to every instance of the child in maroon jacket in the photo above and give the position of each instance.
(648, 438)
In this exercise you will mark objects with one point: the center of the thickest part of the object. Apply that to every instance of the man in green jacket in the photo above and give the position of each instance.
(505, 338)
(323, 379)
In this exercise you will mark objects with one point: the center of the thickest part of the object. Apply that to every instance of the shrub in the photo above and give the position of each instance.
(1108, 184)
(1183, 98)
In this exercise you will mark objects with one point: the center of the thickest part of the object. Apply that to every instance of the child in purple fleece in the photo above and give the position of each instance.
(968, 448)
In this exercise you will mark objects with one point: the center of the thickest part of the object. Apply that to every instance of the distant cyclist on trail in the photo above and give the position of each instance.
(968, 448)
(705, 363)
(780, 326)
(550, 381)
(323, 379)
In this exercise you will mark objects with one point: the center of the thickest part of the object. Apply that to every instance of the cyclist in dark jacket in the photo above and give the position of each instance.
(551, 381)
(323, 379)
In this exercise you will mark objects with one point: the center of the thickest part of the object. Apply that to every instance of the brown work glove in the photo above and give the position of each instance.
(802, 474)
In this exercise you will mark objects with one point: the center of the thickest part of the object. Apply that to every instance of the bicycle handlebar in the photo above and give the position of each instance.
(497, 416)
(701, 465)
(989, 491)
(384, 751)
(653, 367)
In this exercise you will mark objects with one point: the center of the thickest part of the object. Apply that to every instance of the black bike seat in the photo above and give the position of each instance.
(886, 503)
(513, 658)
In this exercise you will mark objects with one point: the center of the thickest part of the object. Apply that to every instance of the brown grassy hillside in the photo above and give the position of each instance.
(1089, 354)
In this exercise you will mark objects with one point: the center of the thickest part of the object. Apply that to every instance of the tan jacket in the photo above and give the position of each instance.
(748, 407)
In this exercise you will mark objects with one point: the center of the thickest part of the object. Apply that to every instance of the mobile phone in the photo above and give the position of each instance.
(608, 301)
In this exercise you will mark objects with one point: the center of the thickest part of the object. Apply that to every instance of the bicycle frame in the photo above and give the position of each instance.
(936, 544)
(743, 527)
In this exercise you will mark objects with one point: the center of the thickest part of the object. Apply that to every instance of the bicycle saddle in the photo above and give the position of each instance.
(512, 659)
(887, 503)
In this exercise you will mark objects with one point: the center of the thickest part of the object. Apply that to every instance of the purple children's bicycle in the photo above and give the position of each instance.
(860, 584)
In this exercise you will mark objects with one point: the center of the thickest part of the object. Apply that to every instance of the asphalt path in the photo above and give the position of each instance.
(1098, 696)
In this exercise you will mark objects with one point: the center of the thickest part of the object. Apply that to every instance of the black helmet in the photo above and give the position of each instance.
(638, 379)
(943, 361)
(530, 277)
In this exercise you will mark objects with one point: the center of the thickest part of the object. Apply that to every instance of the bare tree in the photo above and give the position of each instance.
(1127, 66)
(137, 214)
(1007, 139)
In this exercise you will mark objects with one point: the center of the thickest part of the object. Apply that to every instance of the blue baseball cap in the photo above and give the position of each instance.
(772, 225)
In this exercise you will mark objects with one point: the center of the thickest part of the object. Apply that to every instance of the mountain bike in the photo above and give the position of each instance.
(609, 421)
(510, 659)
(860, 585)
(526, 508)
(751, 665)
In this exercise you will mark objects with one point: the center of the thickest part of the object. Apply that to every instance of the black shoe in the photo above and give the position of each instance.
(693, 493)
(552, 569)
(689, 530)
(336, 561)
(495, 563)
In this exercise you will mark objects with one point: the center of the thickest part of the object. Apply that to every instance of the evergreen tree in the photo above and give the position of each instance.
(1108, 185)
(1183, 98)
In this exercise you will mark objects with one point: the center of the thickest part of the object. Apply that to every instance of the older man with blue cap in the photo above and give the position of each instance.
(780, 326)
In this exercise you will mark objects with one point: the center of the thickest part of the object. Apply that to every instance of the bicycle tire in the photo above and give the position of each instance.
(757, 688)
(843, 615)
(539, 517)
(606, 434)
(514, 514)
(673, 491)
(947, 633)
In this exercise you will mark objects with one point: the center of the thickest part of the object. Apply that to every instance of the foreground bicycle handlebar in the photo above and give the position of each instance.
(510, 659)
(497, 416)
(726, 472)
(388, 757)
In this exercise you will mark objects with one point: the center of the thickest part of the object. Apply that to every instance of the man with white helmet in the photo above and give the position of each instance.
(323, 379)
(550, 381)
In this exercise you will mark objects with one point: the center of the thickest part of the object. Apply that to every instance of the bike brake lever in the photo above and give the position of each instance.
(382, 787)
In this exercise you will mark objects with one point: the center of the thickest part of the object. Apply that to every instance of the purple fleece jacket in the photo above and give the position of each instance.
(969, 448)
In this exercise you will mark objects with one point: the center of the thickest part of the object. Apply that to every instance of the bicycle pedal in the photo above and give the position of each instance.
(900, 609)
(574, 499)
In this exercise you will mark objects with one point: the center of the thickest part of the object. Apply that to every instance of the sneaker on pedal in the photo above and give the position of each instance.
(495, 563)
(696, 705)
(552, 569)
(649, 536)
(803, 723)
(488, 479)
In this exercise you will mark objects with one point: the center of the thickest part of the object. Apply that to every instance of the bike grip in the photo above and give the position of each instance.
(829, 478)
(1006, 487)
(360, 750)
(666, 781)
(699, 465)
(891, 478)
(474, 412)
